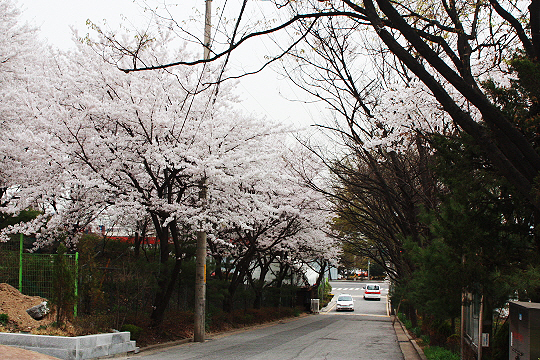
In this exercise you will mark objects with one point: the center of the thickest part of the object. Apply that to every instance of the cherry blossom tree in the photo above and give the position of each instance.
(101, 142)
(451, 47)
(19, 55)
(277, 220)
(87, 141)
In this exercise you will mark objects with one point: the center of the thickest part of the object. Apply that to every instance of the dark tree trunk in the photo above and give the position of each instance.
(258, 286)
(534, 11)
(257, 302)
(165, 275)
(412, 316)
(166, 285)
(283, 269)
(238, 278)
(137, 244)
(217, 271)
(320, 277)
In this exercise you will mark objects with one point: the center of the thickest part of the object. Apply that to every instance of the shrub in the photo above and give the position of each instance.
(134, 330)
(438, 353)
(454, 343)
(4, 319)
(324, 291)
(417, 331)
(246, 318)
(408, 324)
(63, 290)
(501, 341)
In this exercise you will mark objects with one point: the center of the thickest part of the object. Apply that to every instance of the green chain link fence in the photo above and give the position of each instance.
(31, 274)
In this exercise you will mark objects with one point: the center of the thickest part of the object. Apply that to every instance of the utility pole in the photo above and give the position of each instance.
(200, 276)
(200, 267)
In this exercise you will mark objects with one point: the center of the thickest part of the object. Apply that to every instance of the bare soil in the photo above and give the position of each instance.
(15, 304)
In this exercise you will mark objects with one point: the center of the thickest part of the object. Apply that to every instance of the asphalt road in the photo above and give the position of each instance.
(365, 334)
(361, 306)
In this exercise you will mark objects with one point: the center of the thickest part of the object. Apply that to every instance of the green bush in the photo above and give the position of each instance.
(246, 319)
(134, 330)
(438, 353)
(4, 319)
(408, 324)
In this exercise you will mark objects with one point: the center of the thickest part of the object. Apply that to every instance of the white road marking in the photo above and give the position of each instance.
(347, 289)
(352, 314)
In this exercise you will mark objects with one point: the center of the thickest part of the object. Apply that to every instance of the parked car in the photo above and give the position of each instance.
(345, 302)
(372, 291)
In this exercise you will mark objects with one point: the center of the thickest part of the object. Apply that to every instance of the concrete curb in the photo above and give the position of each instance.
(72, 348)
(329, 306)
(418, 350)
(164, 345)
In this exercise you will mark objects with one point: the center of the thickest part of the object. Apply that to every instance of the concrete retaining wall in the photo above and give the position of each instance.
(73, 348)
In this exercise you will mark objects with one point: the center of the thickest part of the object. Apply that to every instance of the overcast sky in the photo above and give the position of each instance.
(265, 94)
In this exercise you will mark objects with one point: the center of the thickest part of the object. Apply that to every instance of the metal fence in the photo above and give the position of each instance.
(119, 284)
(31, 274)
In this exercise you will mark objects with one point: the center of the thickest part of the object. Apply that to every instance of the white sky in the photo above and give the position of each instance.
(264, 94)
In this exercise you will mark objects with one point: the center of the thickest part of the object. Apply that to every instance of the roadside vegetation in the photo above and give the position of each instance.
(116, 290)
(437, 353)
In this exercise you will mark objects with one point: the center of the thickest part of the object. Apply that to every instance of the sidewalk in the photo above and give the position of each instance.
(13, 353)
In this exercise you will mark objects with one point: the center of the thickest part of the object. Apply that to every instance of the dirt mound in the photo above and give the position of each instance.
(15, 304)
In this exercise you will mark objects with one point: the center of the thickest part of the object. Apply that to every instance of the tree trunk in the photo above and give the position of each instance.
(257, 302)
(412, 316)
(321, 274)
(217, 271)
(258, 287)
(137, 245)
(238, 277)
(228, 302)
(166, 286)
(283, 269)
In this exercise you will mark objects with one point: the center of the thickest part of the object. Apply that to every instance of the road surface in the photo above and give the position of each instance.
(365, 334)
(361, 306)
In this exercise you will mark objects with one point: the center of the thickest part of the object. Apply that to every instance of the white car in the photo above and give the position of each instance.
(372, 291)
(345, 302)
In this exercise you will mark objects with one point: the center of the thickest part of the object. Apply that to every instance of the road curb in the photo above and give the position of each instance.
(164, 345)
(401, 330)
(329, 306)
